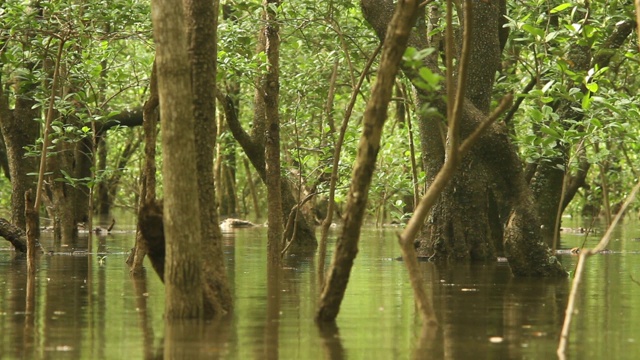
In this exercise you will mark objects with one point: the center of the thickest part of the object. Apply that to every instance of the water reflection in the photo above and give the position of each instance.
(79, 306)
(331, 343)
(196, 339)
(139, 282)
(484, 310)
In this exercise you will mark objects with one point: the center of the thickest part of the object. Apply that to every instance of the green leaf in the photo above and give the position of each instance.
(549, 131)
(533, 30)
(560, 8)
(593, 87)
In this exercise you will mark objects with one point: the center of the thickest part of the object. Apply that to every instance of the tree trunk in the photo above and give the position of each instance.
(202, 23)
(548, 182)
(65, 224)
(148, 179)
(489, 189)
(254, 147)
(270, 88)
(305, 240)
(465, 221)
(182, 228)
(4, 160)
(375, 115)
(102, 201)
(19, 130)
(13, 234)
(225, 171)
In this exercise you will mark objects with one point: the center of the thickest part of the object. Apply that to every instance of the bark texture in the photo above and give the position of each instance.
(202, 22)
(148, 177)
(13, 234)
(182, 229)
(19, 130)
(270, 90)
(489, 188)
(151, 238)
(375, 115)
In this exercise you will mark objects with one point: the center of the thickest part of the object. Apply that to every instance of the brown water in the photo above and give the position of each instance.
(88, 307)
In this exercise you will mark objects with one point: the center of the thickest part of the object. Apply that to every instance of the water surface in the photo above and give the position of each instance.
(87, 306)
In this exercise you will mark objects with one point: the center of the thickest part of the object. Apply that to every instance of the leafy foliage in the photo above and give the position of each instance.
(107, 56)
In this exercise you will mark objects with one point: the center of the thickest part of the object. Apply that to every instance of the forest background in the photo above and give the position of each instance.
(85, 69)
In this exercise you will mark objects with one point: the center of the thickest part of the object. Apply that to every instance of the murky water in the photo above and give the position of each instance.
(88, 307)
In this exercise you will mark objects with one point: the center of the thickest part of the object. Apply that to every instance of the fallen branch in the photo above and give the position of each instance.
(14, 235)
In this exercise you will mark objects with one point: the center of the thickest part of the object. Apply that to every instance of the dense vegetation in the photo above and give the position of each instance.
(107, 53)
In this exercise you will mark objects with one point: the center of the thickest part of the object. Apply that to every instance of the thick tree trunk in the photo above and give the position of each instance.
(182, 228)
(19, 130)
(65, 224)
(489, 189)
(375, 115)
(13, 234)
(202, 22)
(464, 223)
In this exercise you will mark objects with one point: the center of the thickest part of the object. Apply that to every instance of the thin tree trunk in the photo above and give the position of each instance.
(375, 115)
(148, 178)
(326, 224)
(254, 147)
(33, 231)
(270, 86)
(252, 189)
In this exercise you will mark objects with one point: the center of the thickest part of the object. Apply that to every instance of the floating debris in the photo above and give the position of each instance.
(231, 223)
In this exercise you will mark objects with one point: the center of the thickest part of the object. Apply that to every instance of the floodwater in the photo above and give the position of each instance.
(88, 307)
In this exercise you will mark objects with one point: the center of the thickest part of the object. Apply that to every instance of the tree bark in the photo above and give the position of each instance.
(13, 234)
(148, 180)
(202, 22)
(182, 228)
(375, 115)
(270, 88)
(19, 130)
(4, 160)
(489, 189)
